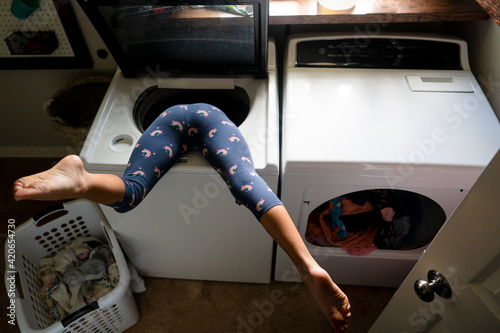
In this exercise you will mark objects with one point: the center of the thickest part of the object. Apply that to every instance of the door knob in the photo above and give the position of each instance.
(437, 284)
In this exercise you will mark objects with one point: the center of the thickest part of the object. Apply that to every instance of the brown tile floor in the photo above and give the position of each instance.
(184, 306)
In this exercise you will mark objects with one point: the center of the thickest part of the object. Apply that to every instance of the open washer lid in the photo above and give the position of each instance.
(184, 38)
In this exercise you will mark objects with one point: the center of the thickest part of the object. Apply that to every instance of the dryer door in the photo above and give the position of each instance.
(402, 219)
(369, 255)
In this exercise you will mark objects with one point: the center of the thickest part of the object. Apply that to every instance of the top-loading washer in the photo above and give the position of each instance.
(189, 226)
(382, 138)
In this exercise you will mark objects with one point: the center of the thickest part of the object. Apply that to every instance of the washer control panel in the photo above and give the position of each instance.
(392, 53)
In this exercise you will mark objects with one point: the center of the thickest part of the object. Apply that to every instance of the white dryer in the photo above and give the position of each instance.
(189, 226)
(395, 122)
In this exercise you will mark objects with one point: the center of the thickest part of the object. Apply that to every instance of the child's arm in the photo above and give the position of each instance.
(330, 298)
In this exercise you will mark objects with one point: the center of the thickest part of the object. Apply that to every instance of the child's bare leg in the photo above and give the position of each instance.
(331, 300)
(69, 180)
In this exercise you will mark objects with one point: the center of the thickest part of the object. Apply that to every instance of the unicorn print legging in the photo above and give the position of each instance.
(201, 127)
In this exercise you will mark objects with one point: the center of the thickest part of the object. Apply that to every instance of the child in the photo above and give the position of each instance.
(181, 128)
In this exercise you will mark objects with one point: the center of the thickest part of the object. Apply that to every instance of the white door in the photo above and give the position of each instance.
(466, 251)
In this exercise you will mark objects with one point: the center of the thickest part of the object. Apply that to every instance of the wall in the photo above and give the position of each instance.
(484, 55)
(25, 129)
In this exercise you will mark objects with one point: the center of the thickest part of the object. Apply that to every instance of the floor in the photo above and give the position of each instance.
(184, 306)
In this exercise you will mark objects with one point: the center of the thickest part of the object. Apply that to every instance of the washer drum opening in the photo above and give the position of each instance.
(153, 101)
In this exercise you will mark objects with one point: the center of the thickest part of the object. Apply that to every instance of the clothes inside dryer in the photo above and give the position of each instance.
(362, 221)
(153, 101)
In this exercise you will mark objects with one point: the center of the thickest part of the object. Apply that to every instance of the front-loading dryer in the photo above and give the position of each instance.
(382, 138)
(189, 226)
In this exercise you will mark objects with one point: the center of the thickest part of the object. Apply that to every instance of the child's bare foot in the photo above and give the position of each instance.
(66, 180)
(330, 298)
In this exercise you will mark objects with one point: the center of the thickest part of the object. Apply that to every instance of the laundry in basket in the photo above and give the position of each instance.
(40, 238)
(78, 274)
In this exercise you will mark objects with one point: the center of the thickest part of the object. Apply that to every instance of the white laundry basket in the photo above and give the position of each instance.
(36, 239)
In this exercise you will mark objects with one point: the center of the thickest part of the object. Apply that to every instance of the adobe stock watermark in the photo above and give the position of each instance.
(426, 316)
(202, 197)
(453, 119)
(264, 309)
(362, 38)
(205, 194)
(121, 110)
(11, 270)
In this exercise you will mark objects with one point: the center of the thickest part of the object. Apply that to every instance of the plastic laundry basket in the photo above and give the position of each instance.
(38, 238)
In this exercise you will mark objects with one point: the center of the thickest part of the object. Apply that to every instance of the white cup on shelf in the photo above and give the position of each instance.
(337, 4)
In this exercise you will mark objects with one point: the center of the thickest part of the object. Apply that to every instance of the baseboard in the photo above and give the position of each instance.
(34, 151)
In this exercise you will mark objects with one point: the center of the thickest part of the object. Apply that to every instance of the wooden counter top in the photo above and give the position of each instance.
(375, 11)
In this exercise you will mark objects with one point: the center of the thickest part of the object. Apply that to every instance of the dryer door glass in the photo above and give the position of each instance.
(362, 221)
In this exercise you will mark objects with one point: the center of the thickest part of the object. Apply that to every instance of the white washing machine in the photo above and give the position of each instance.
(394, 127)
(189, 226)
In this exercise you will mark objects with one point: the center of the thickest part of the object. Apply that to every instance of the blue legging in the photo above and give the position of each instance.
(201, 127)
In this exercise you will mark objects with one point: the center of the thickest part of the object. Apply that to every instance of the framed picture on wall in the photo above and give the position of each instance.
(41, 34)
